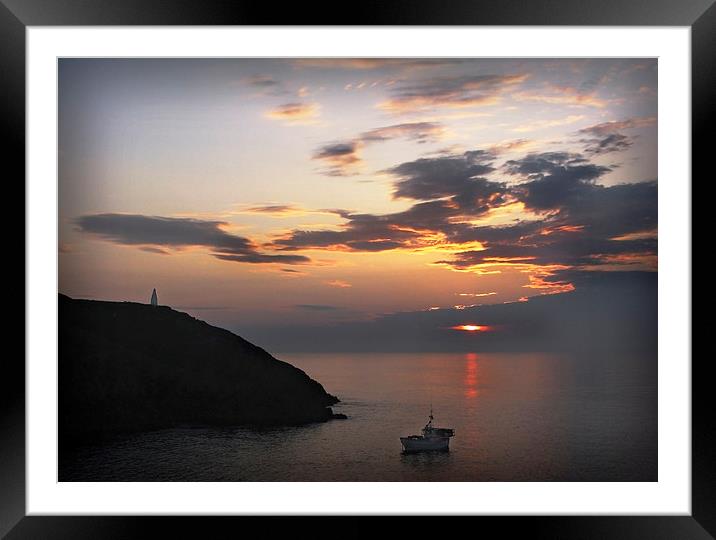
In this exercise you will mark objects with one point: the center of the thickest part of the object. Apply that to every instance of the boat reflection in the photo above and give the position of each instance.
(425, 459)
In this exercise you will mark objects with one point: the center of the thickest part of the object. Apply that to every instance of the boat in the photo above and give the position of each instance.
(433, 439)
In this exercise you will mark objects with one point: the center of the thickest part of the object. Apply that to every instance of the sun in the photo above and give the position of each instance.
(471, 328)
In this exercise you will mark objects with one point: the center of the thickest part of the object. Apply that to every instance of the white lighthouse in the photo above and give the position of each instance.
(154, 300)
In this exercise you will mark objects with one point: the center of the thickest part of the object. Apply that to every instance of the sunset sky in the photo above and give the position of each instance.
(257, 192)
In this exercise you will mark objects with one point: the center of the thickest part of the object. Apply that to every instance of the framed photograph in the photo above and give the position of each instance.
(428, 261)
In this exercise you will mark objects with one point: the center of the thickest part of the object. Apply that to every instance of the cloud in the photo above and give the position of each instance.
(373, 63)
(339, 283)
(510, 146)
(447, 188)
(316, 307)
(456, 176)
(260, 258)
(158, 251)
(574, 221)
(554, 168)
(414, 131)
(609, 312)
(453, 92)
(607, 128)
(339, 158)
(545, 124)
(343, 158)
(295, 113)
(616, 142)
(552, 254)
(274, 209)
(268, 86)
(585, 224)
(265, 85)
(155, 233)
(606, 137)
(562, 95)
(370, 233)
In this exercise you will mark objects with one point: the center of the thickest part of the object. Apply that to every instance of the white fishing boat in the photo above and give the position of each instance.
(432, 439)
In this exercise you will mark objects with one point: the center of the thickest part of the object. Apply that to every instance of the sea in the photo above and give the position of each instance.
(518, 417)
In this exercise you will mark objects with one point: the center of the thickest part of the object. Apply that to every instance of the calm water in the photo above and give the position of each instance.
(518, 417)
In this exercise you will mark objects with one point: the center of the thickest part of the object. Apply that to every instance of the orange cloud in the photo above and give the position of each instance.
(339, 283)
(643, 235)
(545, 124)
(538, 281)
(295, 113)
(511, 145)
(562, 95)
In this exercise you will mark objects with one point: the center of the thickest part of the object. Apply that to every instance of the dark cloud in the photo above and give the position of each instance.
(262, 81)
(545, 163)
(585, 224)
(607, 128)
(450, 176)
(564, 185)
(154, 232)
(368, 232)
(606, 137)
(158, 251)
(414, 227)
(266, 85)
(556, 178)
(335, 150)
(280, 210)
(341, 158)
(465, 91)
(272, 209)
(567, 249)
(577, 222)
(261, 258)
(363, 232)
(616, 142)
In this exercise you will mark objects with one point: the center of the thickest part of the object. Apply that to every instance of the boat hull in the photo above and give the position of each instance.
(425, 444)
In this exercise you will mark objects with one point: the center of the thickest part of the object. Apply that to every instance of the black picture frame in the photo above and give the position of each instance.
(16, 15)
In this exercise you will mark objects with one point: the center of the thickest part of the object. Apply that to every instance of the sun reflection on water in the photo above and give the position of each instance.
(470, 380)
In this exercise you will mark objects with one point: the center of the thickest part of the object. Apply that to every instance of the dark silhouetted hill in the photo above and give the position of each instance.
(126, 367)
